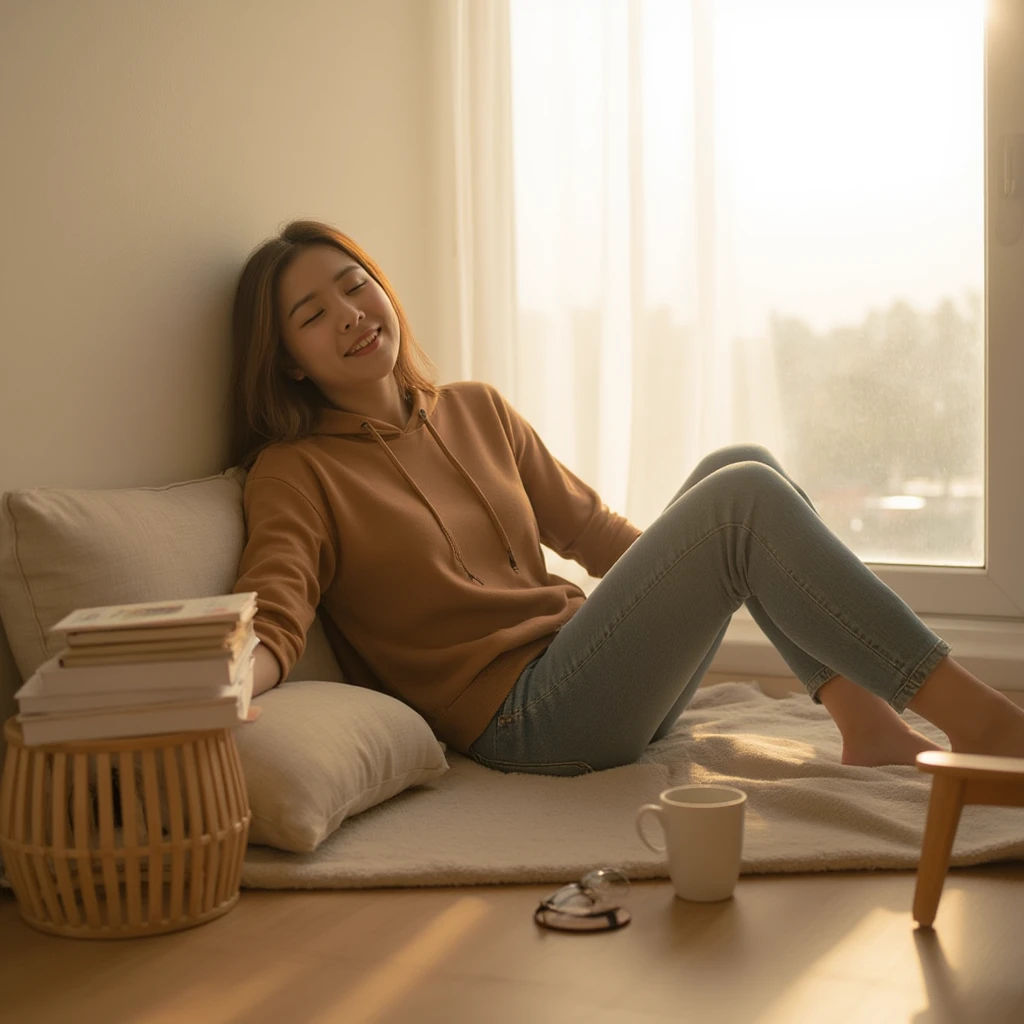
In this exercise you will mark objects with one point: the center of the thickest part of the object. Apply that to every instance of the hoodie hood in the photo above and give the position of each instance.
(337, 423)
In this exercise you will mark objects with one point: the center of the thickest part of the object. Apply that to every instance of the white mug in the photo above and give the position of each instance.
(703, 828)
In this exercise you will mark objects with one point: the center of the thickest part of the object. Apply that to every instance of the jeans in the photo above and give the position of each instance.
(623, 668)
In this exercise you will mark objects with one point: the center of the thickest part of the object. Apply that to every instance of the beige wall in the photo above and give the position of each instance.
(148, 145)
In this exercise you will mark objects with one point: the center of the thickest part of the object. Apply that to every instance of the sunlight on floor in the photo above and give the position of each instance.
(221, 1001)
(862, 957)
(403, 969)
(225, 1000)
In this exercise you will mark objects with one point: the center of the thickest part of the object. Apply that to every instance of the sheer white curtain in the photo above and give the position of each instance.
(475, 194)
(601, 301)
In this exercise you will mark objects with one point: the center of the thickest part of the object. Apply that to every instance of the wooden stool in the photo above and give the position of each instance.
(118, 838)
(959, 779)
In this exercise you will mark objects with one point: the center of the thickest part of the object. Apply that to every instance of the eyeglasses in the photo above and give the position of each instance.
(589, 905)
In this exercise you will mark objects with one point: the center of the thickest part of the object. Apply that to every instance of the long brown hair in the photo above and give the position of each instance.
(266, 404)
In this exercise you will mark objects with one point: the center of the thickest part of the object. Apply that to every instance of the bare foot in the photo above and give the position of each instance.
(893, 746)
(1004, 737)
(976, 718)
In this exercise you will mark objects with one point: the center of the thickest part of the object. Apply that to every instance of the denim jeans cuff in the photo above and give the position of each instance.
(817, 681)
(916, 680)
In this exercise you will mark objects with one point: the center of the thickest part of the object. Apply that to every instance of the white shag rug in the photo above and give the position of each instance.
(806, 811)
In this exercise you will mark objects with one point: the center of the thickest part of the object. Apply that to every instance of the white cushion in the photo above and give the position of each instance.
(321, 752)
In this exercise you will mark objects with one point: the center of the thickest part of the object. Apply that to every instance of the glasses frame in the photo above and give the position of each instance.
(553, 911)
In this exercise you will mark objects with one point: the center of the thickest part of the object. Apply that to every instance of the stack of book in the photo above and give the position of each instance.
(137, 669)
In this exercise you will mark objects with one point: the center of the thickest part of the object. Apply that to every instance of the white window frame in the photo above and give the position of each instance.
(980, 611)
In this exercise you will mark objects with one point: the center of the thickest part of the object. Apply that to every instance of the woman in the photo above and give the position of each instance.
(413, 517)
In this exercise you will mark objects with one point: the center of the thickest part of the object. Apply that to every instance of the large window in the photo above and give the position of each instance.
(786, 221)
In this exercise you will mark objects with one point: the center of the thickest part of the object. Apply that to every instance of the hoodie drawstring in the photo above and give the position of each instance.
(426, 501)
(472, 483)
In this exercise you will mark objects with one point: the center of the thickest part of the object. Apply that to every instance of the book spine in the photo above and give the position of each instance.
(58, 703)
(142, 724)
(153, 675)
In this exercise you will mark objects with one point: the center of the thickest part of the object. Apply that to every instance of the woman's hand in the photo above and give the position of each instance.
(266, 674)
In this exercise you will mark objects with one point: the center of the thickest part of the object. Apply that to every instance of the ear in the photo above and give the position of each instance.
(295, 373)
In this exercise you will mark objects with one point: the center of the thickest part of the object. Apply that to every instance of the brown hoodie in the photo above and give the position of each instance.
(421, 545)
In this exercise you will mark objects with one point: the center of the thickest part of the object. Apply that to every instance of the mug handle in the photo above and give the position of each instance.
(649, 809)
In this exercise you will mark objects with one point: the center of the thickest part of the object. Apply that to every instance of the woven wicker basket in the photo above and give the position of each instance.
(107, 839)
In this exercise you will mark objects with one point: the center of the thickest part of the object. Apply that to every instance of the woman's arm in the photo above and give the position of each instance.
(289, 560)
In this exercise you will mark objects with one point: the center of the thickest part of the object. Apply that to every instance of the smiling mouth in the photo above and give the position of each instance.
(364, 341)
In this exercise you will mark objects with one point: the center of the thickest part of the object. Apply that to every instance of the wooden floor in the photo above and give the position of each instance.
(831, 948)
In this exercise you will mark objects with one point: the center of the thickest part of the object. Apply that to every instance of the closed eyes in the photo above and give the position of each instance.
(316, 316)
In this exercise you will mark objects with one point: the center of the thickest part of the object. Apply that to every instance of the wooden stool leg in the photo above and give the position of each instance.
(944, 808)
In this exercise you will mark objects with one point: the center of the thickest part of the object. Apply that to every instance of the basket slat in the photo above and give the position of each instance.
(7, 792)
(236, 767)
(58, 836)
(177, 833)
(19, 866)
(111, 880)
(212, 815)
(209, 749)
(81, 831)
(130, 838)
(197, 855)
(37, 823)
(154, 830)
(233, 812)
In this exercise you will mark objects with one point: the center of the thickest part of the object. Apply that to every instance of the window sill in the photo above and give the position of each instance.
(992, 649)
